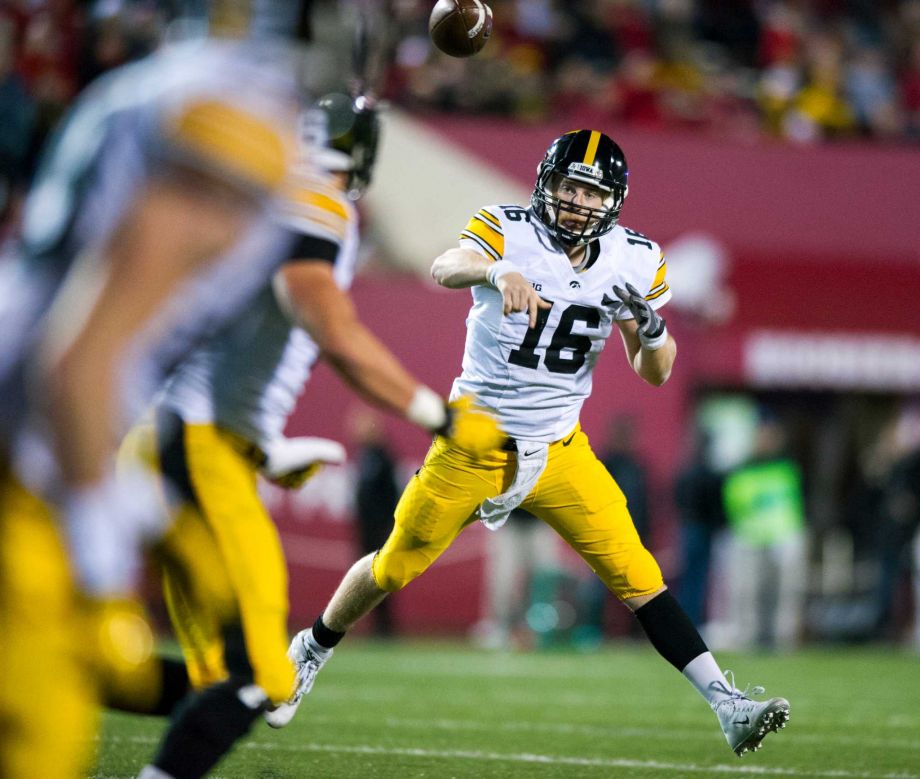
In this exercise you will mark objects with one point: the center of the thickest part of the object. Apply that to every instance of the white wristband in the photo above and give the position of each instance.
(427, 409)
(498, 269)
(654, 343)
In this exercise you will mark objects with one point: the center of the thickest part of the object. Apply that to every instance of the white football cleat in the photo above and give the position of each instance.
(747, 722)
(308, 657)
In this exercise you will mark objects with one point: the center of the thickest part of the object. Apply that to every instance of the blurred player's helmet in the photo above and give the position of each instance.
(354, 131)
(584, 157)
(257, 19)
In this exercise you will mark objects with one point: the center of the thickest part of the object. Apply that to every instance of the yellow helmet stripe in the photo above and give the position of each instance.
(591, 152)
(229, 18)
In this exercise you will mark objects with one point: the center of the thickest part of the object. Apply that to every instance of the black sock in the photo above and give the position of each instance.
(325, 637)
(670, 630)
(204, 729)
(175, 687)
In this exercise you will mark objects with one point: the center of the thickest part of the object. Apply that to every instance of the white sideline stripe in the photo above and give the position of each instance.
(524, 757)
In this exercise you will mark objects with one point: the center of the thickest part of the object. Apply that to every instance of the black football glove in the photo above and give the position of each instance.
(652, 331)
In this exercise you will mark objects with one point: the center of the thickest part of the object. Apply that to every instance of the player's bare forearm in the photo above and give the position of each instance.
(366, 364)
(460, 268)
(80, 396)
(311, 298)
(651, 365)
(654, 365)
(107, 301)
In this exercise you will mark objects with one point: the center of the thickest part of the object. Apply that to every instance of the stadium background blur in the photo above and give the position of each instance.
(773, 149)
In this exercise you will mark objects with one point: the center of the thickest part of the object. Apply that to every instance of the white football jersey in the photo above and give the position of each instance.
(217, 105)
(536, 379)
(248, 377)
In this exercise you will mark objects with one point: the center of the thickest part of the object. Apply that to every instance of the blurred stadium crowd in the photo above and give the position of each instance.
(800, 70)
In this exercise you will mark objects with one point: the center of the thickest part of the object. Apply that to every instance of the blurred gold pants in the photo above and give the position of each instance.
(59, 651)
(221, 560)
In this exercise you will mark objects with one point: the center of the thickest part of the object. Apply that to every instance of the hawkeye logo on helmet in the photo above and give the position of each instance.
(579, 168)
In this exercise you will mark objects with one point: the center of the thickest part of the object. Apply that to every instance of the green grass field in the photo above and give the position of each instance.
(444, 710)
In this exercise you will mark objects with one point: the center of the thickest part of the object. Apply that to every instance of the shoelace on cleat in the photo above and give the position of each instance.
(733, 693)
(308, 668)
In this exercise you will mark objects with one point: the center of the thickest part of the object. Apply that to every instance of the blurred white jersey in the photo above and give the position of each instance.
(536, 379)
(223, 107)
(247, 379)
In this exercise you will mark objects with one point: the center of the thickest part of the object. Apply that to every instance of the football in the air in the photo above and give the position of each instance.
(460, 27)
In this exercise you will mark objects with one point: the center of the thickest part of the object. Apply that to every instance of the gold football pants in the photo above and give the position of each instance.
(59, 652)
(223, 566)
(575, 495)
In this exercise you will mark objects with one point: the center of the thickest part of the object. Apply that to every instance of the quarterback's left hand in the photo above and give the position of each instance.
(290, 462)
(651, 326)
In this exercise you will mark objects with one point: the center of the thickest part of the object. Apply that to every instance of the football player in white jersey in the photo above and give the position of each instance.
(550, 284)
(218, 423)
(159, 168)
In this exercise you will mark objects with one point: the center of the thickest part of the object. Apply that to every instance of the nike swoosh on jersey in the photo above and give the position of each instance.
(608, 301)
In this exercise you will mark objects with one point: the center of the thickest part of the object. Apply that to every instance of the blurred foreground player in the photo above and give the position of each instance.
(157, 171)
(219, 422)
(549, 284)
